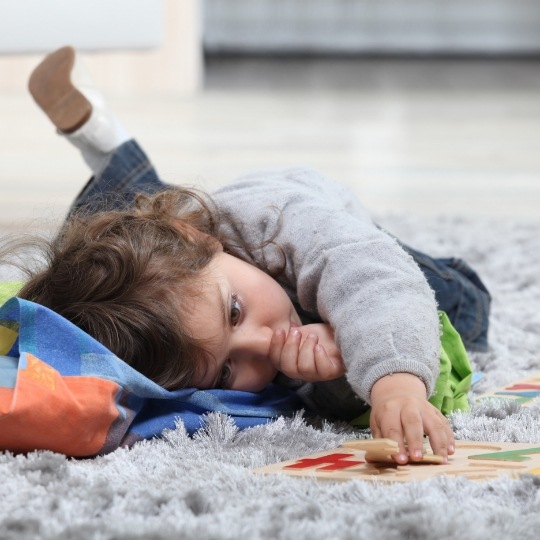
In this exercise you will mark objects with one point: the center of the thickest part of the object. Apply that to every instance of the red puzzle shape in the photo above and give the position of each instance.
(333, 462)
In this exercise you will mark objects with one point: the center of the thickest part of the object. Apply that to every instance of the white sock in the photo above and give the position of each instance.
(101, 134)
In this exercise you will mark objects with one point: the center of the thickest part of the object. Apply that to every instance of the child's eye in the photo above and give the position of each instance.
(236, 310)
(226, 373)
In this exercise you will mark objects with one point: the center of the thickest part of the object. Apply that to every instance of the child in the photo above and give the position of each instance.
(279, 276)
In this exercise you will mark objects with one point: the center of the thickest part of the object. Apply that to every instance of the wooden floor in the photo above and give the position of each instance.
(424, 136)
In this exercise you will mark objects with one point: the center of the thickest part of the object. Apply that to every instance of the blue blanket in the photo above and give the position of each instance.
(62, 390)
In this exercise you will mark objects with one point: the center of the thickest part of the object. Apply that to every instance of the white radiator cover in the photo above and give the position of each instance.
(372, 26)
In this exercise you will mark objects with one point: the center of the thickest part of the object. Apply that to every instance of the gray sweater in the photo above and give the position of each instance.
(341, 269)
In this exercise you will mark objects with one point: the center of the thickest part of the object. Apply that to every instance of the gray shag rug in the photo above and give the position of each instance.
(203, 487)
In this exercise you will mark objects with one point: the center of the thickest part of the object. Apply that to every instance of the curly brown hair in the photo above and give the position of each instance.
(111, 273)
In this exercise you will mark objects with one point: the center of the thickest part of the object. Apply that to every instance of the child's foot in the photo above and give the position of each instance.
(66, 94)
(53, 90)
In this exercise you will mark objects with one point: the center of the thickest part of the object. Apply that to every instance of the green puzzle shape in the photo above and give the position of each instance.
(508, 455)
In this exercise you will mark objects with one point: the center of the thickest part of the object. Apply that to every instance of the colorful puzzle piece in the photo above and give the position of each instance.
(524, 391)
(474, 460)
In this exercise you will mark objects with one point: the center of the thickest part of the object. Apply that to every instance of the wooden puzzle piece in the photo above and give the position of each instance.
(376, 450)
(473, 460)
(381, 451)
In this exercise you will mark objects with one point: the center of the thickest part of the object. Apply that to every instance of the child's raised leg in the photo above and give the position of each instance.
(65, 92)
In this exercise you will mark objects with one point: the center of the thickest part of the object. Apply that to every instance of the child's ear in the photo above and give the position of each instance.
(193, 234)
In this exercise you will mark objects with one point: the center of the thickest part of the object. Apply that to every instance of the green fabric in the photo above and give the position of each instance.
(455, 376)
(9, 289)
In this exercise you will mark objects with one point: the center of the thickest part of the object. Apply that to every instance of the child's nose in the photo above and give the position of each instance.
(255, 342)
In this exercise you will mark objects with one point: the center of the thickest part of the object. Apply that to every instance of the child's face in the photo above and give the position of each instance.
(237, 312)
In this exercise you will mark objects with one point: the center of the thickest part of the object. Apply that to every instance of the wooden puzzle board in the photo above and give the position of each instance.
(524, 391)
(473, 460)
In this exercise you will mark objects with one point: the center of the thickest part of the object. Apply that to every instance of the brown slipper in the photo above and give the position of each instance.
(51, 87)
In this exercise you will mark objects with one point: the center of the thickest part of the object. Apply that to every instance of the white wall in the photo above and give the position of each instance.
(37, 26)
(131, 46)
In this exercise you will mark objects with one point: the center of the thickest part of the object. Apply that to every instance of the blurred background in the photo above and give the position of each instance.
(421, 106)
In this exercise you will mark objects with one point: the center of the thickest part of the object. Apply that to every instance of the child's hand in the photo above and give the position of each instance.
(400, 411)
(308, 353)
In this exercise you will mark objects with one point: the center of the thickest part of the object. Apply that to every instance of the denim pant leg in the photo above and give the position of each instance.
(461, 294)
(127, 172)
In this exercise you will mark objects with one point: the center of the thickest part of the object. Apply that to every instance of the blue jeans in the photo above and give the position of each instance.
(458, 289)
(127, 172)
(461, 294)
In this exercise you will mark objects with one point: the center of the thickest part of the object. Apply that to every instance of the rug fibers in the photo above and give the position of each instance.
(204, 488)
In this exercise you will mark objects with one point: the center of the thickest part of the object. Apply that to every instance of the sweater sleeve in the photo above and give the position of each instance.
(341, 266)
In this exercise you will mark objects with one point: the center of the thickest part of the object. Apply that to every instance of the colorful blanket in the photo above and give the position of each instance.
(61, 390)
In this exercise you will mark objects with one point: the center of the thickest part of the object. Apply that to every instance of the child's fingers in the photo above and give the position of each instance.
(440, 434)
(292, 357)
(431, 422)
(306, 359)
(276, 346)
(413, 428)
(314, 364)
(389, 426)
(284, 352)
(327, 367)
